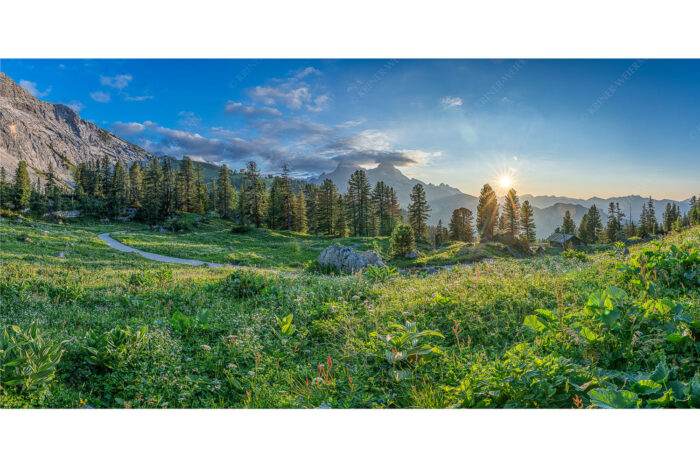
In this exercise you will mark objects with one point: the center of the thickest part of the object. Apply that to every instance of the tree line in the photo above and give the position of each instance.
(155, 191)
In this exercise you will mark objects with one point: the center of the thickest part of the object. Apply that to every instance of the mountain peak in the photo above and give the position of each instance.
(53, 135)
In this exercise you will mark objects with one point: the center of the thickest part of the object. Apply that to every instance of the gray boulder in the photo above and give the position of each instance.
(60, 254)
(411, 255)
(347, 259)
(431, 270)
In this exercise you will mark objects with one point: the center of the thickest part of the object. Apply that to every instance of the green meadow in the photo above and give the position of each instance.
(89, 326)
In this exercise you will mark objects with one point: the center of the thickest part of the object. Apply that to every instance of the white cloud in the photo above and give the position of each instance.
(137, 98)
(99, 96)
(128, 129)
(233, 108)
(306, 72)
(448, 102)
(118, 81)
(32, 88)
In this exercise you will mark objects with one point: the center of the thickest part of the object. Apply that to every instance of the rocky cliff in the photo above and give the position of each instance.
(42, 133)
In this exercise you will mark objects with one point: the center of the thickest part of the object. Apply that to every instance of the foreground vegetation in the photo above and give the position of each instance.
(83, 325)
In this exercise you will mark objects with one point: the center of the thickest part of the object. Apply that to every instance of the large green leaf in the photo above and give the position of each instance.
(535, 323)
(660, 374)
(613, 399)
(647, 387)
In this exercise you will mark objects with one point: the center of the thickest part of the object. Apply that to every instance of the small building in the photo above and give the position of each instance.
(565, 241)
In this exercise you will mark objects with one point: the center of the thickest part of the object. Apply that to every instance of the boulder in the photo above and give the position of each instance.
(230, 248)
(411, 255)
(431, 270)
(346, 259)
(60, 254)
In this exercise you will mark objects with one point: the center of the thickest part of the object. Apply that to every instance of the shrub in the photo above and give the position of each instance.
(244, 283)
(28, 359)
(241, 229)
(402, 241)
(314, 267)
(575, 255)
(380, 273)
(113, 348)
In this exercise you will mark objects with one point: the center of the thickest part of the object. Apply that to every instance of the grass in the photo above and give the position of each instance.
(211, 336)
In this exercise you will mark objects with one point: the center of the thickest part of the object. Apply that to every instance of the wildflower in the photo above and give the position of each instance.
(355, 297)
(251, 373)
(317, 380)
(205, 347)
(232, 366)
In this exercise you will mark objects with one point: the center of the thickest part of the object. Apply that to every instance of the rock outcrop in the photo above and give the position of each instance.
(41, 133)
(347, 259)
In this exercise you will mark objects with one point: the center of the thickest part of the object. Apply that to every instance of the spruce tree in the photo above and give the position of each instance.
(487, 212)
(568, 225)
(418, 212)
(136, 185)
(327, 208)
(527, 223)
(311, 199)
(152, 188)
(461, 225)
(23, 187)
(511, 211)
(358, 204)
(256, 194)
(299, 213)
(225, 193)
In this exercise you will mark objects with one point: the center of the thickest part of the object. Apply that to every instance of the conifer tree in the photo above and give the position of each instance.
(225, 193)
(418, 212)
(327, 208)
(527, 223)
(341, 226)
(153, 195)
(311, 198)
(487, 212)
(358, 204)
(568, 225)
(136, 185)
(168, 189)
(23, 187)
(119, 189)
(255, 191)
(461, 225)
(299, 213)
(511, 211)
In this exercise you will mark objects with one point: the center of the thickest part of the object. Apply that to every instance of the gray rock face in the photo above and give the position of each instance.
(41, 133)
(348, 260)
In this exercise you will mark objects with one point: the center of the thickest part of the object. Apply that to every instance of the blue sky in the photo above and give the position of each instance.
(562, 127)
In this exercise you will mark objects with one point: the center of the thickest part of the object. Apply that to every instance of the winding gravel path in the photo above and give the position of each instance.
(117, 245)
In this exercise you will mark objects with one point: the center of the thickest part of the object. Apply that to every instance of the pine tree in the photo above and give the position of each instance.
(341, 226)
(461, 225)
(568, 225)
(402, 241)
(358, 204)
(327, 208)
(4, 188)
(440, 232)
(287, 199)
(418, 212)
(168, 189)
(136, 185)
(487, 212)
(119, 189)
(511, 211)
(299, 213)
(225, 193)
(613, 227)
(23, 187)
(256, 194)
(200, 195)
(311, 198)
(652, 223)
(152, 192)
(244, 205)
(527, 223)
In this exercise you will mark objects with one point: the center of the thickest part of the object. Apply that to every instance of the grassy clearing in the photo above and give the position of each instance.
(211, 337)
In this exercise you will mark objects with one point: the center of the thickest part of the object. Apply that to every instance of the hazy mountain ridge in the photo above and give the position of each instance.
(42, 133)
(443, 198)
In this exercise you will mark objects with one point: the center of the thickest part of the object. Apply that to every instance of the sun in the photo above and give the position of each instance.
(505, 182)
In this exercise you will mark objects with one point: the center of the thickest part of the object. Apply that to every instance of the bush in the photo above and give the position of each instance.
(243, 283)
(575, 255)
(114, 348)
(314, 267)
(380, 273)
(28, 359)
(402, 241)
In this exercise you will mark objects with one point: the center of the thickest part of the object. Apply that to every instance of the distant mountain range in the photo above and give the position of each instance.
(443, 199)
(41, 133)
